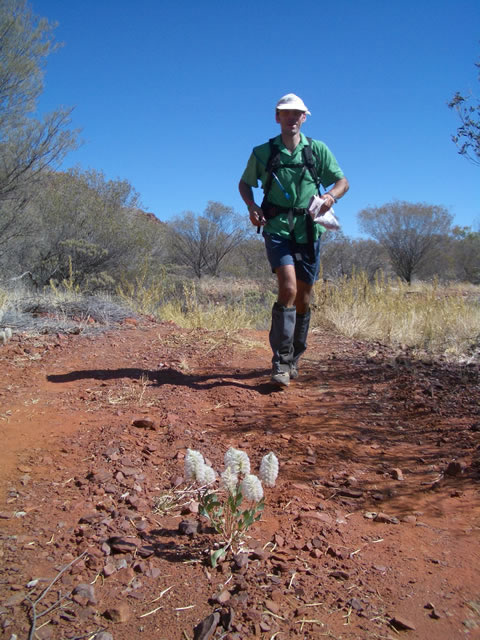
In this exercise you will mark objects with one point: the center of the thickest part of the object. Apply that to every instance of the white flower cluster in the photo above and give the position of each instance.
(238, 461)
(197, 470)
(237, 472)
(5, 335)
(251, 488)
(229, 480)
(269, 469)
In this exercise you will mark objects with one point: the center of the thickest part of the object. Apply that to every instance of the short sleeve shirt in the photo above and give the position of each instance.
(299, 190)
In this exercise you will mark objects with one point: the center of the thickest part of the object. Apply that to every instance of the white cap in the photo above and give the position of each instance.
(291, 101)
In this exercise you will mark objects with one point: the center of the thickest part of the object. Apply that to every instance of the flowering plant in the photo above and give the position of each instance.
(223, 507)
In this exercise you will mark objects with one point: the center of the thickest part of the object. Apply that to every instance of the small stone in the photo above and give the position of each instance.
(350, 493)
(120, 613)
(402, 624)
(193, 507)
(315, 515)
(355, 603)
(154, 572)
(141, 526)
(272, 606)
(279, 540)
(100, 476)
(339, 575)
(85, 591)
(188, 527)
(241, 560)
(259, 554)
(455, 468)
(106, 549)
(109, 569)
(103, 635)
(380, 568)
(144, 423)
(386, 519)
(205, 629)
(409, 519)
(90, 518)
(397, 474)
(123, 545)
(223, 597)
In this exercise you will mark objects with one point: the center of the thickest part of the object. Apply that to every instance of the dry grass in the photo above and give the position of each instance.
(426, 317)
(192, 311)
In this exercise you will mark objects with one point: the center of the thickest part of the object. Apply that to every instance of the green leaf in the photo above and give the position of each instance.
(214, 557)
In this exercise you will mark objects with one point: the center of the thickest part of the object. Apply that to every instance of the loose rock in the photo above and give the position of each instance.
(144, 423)
(120, 613)
(383, 517)
(205, 629)
(86, 591)
(188, 527)
(401, 623)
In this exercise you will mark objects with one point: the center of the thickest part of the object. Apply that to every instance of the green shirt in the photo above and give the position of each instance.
(300, 191)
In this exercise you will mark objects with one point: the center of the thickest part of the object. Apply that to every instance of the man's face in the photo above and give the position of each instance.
(290, 120)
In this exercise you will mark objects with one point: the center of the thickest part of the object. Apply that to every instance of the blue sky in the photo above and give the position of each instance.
(173, 96)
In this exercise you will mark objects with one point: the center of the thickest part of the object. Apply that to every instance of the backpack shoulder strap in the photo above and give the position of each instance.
(310, 162)
(273, 163)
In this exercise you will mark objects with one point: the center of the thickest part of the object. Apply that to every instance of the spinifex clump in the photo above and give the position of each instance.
(223, 506)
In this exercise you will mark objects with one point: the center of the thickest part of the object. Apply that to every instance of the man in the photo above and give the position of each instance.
(291, 170)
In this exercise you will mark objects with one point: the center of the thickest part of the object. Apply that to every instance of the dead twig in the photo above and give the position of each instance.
(34, 604)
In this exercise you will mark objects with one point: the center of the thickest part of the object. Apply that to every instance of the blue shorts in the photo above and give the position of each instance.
(282, 251)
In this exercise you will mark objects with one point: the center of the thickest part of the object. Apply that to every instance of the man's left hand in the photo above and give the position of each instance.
(328, 202)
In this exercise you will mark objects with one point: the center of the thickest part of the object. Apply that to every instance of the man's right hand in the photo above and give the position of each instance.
(256, 215)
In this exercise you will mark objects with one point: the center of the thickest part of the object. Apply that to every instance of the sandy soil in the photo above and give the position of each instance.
(371, 532)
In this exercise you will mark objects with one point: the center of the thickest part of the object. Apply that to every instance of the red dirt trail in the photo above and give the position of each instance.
(372, 530)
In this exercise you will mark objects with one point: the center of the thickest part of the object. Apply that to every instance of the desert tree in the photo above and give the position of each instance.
(202, 242)
(28, 145)
(343, 256)
(88, 229)
(248, 260)
(467, 137)
(467, 254)
(409, 232)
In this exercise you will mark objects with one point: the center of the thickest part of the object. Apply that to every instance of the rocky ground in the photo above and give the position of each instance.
(372, 530)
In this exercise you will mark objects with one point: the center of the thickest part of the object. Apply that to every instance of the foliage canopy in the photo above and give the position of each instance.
(467, 137)
(27, 145)
(410, 233)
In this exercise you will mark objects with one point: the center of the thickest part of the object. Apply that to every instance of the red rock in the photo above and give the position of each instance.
(401, 623)
(455, 468)
(85, 591)
(315, 515)
(223, 597)
(144, 423)
(386, 519)
(120, 613)
(272, 606)
(397, 474)
(123, 545)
